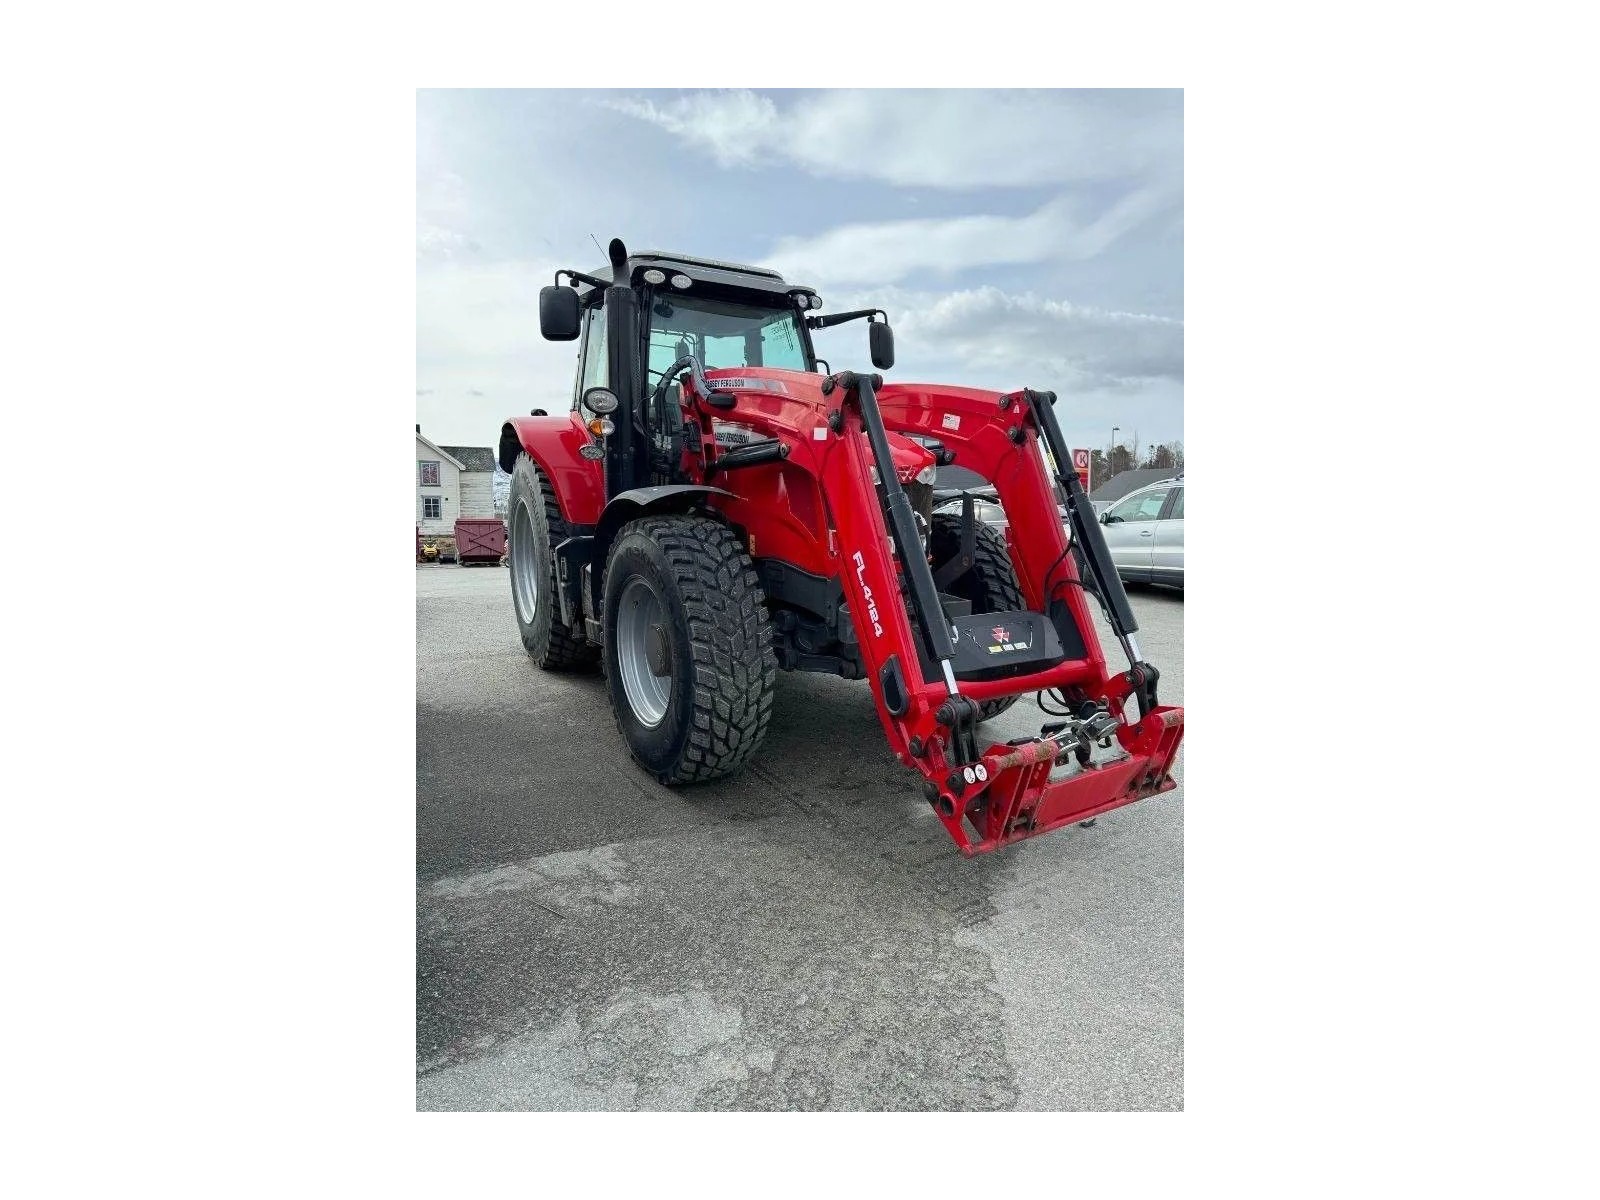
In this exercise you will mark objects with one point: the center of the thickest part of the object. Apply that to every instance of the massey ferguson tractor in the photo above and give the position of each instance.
(718, 507)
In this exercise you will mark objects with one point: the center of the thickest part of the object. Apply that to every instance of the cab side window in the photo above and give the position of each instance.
(592, 362)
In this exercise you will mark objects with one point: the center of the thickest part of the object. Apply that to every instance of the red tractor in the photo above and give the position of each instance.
(718, 507)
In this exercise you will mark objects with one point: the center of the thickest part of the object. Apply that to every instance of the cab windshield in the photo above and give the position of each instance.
(723, 333)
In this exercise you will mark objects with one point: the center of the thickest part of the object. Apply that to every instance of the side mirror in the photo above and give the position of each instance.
(1107, 519)
(558, 313)
(602, 402)
(880, 339)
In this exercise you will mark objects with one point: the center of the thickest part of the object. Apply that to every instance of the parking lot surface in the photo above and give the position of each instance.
(802, 935)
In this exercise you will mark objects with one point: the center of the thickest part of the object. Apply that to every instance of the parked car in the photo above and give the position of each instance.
(987, 511)
(1144, 531)
(990, 512)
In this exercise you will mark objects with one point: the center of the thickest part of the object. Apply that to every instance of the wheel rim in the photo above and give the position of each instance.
(638, 612)
(524, 569)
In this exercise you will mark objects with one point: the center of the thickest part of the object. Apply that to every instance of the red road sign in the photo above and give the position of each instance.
(1080, 464)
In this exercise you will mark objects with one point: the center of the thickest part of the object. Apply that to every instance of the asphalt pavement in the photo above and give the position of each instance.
(803, 935)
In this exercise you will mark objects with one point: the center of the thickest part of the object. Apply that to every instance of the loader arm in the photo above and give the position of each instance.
(926, 669)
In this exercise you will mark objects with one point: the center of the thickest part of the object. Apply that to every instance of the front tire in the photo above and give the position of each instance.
(536, 528)
(688, 648)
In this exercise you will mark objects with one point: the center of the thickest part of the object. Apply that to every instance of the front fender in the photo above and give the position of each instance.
(630, 505)
(554, 443)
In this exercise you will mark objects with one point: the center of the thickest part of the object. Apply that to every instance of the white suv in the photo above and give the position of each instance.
(1144, 531)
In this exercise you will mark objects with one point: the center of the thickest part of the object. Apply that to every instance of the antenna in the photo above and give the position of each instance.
(597, 244)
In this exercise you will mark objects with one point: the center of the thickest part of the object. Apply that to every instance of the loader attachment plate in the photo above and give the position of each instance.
(1023, 801)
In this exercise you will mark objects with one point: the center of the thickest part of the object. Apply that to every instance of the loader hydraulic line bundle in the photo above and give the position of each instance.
(716, 508)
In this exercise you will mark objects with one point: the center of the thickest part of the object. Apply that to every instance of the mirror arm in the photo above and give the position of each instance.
(832, 319)
(580, 277)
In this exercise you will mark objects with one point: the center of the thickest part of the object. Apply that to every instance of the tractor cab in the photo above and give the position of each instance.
(675, 307)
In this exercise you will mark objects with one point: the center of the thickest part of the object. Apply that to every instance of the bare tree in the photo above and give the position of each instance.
(1099, 470)
(1167, 456)
(1162, 457)
(1107, 467)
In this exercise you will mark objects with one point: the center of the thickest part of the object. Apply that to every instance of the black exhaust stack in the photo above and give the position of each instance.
(626, 468)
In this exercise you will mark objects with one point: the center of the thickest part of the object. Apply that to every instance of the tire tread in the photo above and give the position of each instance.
(559, 649)
(730, 638)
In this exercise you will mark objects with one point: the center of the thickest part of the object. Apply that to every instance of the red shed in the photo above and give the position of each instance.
(480, 540)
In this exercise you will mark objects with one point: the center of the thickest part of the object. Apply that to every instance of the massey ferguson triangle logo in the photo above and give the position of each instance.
(1001, 643)
(872, 605)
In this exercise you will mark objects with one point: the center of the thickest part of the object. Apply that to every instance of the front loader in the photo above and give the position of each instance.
(719, 506)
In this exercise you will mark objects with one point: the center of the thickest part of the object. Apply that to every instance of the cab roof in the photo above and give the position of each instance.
(711, 272)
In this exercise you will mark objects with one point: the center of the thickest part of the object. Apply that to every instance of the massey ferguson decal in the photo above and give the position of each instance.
(1002, 643)
(738, 383)
(727, 434)
(872, 605)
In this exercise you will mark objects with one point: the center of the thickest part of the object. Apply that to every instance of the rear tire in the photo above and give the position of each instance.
(688, 648)
(990, 584)
(536, 528)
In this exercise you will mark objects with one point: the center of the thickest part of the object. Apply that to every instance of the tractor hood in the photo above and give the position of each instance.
(910, 457)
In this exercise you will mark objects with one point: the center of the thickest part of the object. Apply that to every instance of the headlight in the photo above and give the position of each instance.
(927, 474)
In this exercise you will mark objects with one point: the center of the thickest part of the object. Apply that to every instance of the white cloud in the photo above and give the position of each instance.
(445, 213)
(1106, 367)
(480, 358)
(989, 328)
(480, 263)
(891, 250)
(736, 127)
(985, 337)
(945, 139)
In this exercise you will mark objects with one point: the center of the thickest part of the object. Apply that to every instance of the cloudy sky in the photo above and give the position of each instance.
(1014, 238)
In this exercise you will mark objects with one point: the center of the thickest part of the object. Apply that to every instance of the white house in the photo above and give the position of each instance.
(452, 481)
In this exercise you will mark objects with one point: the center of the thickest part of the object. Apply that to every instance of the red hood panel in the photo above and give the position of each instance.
(909, 457)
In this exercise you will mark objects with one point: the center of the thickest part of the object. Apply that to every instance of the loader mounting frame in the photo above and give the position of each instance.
(1004, 792)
